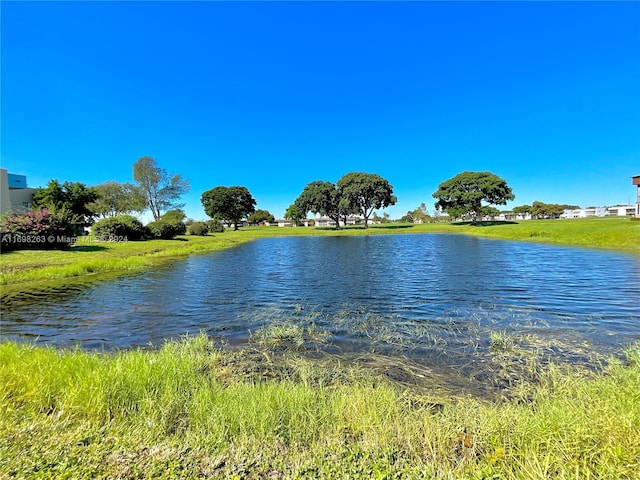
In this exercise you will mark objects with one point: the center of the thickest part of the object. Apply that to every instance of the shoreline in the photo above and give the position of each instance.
(24, 271)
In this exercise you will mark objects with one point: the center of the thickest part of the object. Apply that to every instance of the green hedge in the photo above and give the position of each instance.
(121, 226)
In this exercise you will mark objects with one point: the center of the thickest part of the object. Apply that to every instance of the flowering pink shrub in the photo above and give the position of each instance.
(40, 229)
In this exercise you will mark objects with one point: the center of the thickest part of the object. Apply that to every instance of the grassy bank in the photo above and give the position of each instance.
(178, 412)
(28, 270)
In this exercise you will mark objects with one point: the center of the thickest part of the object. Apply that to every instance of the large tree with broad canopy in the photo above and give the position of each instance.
(320, 197)
(362, 193)
(229, 204)
(464, 194)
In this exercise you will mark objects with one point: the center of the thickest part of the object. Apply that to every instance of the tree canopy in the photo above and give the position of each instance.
(545, 210)
(229, 204)
(464, 194)
(260, 216)
(294, 213)
(522, 209)
(160, 189)
(362, 193)
(176, 215)
(419, 215)
(73, 199)
(115, 198)
(323, 198)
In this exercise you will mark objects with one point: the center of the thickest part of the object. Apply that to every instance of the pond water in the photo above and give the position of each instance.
(422, 297)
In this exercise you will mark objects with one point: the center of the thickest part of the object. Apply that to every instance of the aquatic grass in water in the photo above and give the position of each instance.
(500, 341)
(447, 355)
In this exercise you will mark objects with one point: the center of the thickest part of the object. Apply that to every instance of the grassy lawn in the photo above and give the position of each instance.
(183, 412)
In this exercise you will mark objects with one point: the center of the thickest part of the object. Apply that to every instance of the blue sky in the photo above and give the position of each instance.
(274, 95)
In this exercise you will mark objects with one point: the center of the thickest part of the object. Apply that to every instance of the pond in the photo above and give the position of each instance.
(434, 299)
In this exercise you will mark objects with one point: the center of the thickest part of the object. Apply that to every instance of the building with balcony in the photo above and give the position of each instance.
(15, 195)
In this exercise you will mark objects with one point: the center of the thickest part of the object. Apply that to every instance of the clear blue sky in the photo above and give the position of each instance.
(274, 95)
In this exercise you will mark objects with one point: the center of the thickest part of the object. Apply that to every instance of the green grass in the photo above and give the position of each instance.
(176, 412)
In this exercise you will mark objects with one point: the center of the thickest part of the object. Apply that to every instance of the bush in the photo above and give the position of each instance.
(161, 229)
(215, 226)
(121, 226)
(40, 229)
(198, 228)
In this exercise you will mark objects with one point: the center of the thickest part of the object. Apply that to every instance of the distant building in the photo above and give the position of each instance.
(613, 211)
(636, 181)
(328, 222)
(15, 196)
(621, 210)
(287, 222)
(325, 222)
(585, 212)
(510, 216)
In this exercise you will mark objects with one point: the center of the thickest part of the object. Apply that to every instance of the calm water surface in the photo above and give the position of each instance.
(419, 296)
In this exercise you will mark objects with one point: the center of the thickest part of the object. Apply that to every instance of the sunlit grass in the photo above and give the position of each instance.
(176, 412)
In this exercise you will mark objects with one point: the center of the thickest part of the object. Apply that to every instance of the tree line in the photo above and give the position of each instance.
(468, 195)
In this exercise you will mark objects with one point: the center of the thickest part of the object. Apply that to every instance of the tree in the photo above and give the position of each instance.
(230, 204)
(293, 213)
(490, 212)
(174, 216)
(114, 198)
(464, 194)
(408, 218)
(362, 193)
(543, 210)
(522, 210)
(159, 189)
(260, 216)
(72, 199)
(320, 197)
(420, 214)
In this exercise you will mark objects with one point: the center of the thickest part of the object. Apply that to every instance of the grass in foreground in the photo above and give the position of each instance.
(176, 412)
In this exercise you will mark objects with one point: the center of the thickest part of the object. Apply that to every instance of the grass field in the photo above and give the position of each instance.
(177, 412)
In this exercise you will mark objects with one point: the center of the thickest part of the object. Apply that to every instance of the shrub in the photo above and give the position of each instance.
(174, 216)
(40, 229)
(198, 228)
(120, 226)
(161, 229)
(215, 226)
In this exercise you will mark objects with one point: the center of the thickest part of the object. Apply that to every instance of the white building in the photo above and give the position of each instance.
(15, 196)
(621, 210)
(585, 212)
(510, 216)
(635, 180)
(614, 211)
